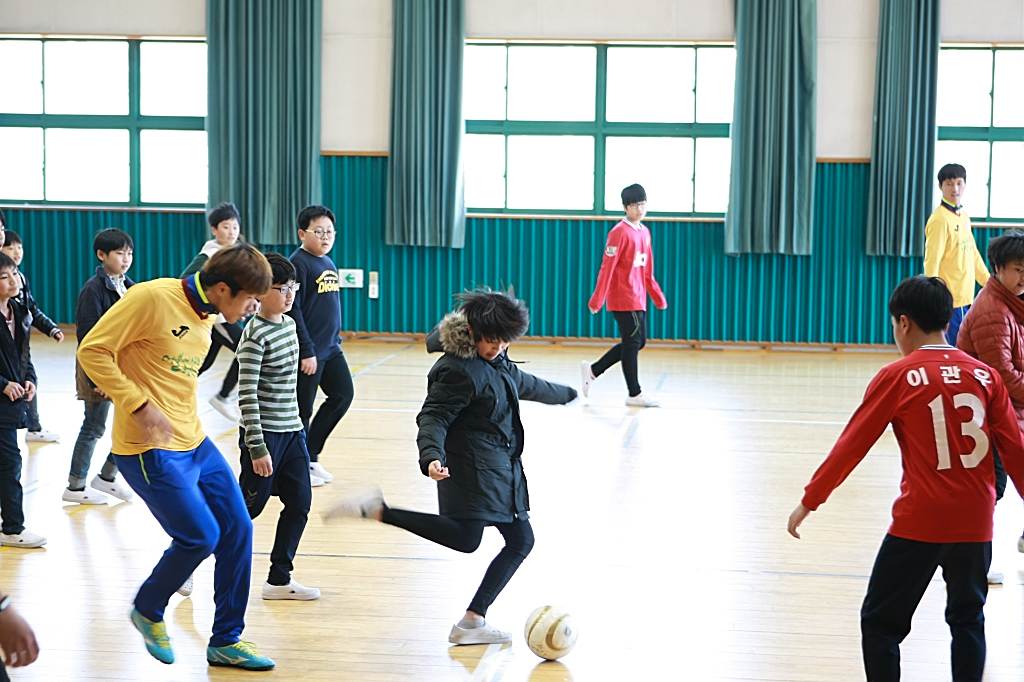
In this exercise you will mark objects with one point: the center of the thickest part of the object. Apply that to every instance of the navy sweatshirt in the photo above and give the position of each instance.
(317, 307)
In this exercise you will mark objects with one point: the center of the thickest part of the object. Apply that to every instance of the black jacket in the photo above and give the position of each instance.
(470, 423)
(97, 296)
(40, 320)
(15, 365)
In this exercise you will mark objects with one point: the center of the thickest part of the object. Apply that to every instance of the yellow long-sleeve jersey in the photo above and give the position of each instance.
(950, 253)
(149, 347)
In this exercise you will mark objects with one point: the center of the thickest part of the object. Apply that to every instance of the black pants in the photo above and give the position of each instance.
(902, 571)
(290, 482)
(332, 375)
(12, 513)
(218, 340)
(465, 536)
(633, 330)
(997, 462)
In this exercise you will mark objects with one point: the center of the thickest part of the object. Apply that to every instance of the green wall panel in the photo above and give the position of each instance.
(838, 295)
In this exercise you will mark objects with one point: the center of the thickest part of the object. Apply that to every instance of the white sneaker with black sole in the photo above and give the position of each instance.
(317, 469)
(994, 578)
(485, 634)
(22, 540)
(227, 407)
(363, 505)
(292, 590)
(642, 401)
(83, 496)
(113, 488)
(42, 436)
(586, 377)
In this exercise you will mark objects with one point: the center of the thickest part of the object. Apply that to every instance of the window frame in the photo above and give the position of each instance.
(599, 129)
(134, 122)
(989, 134)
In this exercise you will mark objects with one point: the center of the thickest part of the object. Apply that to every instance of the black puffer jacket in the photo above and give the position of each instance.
(470, 423)
(15, 365)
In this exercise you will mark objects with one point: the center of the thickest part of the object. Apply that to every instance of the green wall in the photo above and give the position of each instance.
(838, 295)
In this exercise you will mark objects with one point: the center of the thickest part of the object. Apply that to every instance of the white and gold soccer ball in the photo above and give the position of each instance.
(550, 632)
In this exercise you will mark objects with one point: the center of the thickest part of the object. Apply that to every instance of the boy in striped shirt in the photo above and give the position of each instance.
(270, 435)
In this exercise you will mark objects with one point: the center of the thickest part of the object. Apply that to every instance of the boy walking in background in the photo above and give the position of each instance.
(949, 248)
(18, 378)
(625, 280)
(115, 251)
(14, 248)
(946, 408)
(317, 315)
(271, 438)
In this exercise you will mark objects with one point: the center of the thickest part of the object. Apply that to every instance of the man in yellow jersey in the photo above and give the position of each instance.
(145, 353)
(949, 248)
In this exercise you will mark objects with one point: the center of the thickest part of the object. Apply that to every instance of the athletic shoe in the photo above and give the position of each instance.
(238, 655)
(292, 590)
(364, 505)
(41, 436)
(226, 407)
(587, 377)
(485, 634)
(114, 488)
(1020, 544)
(315, 481)
(994, 578)
(186, 587)
(317, 469)
(23, 540)
(155, 636)
(83, 496)
(642, 401)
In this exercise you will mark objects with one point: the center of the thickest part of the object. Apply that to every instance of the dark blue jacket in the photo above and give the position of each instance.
(317, 307)
(15, 365)
(40, 320)
(97, 296)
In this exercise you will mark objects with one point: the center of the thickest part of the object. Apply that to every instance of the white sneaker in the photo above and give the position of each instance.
(317, 469)
(586, 377)
(41, 436)
(485, 634)
(114, 488)
(994, 578)
(226, 407)
(642, 401)
(364, 505)
(292, 590)
(83, 496)
(24, 540)
(186, 587)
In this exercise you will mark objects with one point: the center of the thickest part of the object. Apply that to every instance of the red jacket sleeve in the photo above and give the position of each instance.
(657, 295)
(1006, 435)
(612, 253)
(864, 429)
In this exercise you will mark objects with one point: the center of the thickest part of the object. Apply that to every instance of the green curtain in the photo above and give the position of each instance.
(771, 195)
(263, 123)
(903, 140)
(425, 201)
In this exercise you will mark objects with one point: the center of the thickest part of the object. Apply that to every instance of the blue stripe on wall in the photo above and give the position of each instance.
(838, 295)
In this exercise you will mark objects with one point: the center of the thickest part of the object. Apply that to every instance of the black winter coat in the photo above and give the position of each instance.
(470, 423)
(40, 320)
(97, 296)
(15, 365)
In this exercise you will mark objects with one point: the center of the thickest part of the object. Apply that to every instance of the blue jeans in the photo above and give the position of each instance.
(93, 427)
(196, 499)
(12, 515)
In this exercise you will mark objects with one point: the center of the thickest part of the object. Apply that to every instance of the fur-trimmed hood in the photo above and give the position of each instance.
(453, 332)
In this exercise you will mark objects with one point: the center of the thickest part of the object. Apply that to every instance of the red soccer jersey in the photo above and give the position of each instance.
(627, 271)
(946, 409)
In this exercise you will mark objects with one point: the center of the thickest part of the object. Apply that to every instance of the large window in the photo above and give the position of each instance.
(103, 121)
(980, 116)
(563, 128)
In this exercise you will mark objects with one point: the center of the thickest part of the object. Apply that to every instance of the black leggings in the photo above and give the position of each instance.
(633, 330)
(465, 536)
(218, 341)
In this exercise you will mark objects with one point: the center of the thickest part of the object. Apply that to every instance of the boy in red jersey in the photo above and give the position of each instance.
(946, 409)
(626, 278)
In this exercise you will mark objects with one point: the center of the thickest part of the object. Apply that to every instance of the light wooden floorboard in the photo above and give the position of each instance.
(662, 531)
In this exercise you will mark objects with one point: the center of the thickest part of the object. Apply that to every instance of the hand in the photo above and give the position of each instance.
(59, 336)
(436, 471)
(97, 389)
(796, 518)
(264, 466)
(14, 391)
(154, 425)
(17, 639)
(308, 366)
(594, 311)
(30, 391)
(662, 307)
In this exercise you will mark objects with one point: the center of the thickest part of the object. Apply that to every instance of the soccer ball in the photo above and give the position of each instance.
(550, 632)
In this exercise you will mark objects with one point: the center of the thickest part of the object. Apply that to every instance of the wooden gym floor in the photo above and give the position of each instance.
(661, 530)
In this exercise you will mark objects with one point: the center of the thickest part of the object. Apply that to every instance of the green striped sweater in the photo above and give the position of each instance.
(268, 363)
